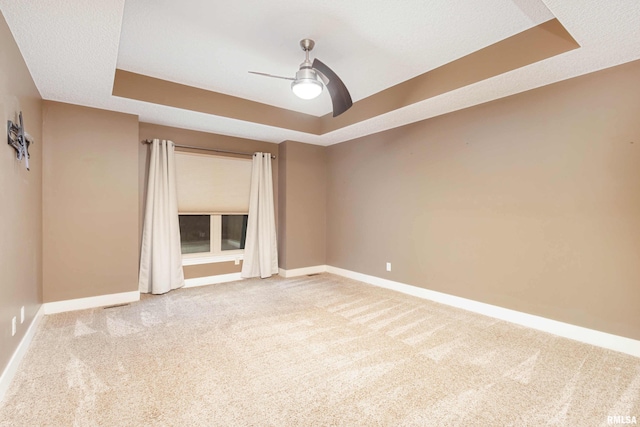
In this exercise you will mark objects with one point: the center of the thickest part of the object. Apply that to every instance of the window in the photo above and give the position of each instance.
(234, 232)
(195, 234)
(213, 234)
(213, 201)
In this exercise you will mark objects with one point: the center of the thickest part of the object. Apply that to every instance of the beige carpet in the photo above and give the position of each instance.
(311, 351)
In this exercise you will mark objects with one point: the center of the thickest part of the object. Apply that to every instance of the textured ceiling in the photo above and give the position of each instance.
(72, 48)
(371, 44)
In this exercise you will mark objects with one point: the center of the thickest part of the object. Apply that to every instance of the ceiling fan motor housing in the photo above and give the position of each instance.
(306, 72)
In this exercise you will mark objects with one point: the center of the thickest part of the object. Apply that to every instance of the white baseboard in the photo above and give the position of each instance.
(12, 367)
(90, 302)
(211, 280)
(566, 330)
(302, 271)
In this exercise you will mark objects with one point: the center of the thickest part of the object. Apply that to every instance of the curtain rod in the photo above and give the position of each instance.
(148, 141)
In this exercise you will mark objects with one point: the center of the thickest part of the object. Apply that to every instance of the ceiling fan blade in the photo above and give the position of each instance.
(340, 97)
(271, 75)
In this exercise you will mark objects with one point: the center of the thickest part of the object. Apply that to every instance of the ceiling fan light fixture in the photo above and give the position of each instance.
(306, 88)
(306, 85)
(311, 79)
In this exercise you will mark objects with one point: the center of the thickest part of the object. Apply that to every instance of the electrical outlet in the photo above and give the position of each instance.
(388, 266)
(22, 314)
(13, 326)
(237, 261)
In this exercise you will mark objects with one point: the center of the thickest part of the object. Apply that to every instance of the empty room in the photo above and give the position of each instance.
(320, 213)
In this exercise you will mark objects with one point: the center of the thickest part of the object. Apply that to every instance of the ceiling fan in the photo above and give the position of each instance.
(308, 82)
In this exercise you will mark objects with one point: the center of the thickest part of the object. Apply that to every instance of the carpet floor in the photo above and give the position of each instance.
(311, 351)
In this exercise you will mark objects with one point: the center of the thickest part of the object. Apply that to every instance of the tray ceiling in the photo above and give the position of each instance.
(73, 49)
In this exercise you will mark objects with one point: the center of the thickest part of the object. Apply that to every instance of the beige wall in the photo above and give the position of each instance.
(204, 140)
(90, 202)
(212, 269)
(20, 199)
(303, 178)
(531, 202)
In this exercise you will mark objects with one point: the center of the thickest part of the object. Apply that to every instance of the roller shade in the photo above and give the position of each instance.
(209, 183)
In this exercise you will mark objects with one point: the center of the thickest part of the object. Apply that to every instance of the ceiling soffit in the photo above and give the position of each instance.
(535, 44)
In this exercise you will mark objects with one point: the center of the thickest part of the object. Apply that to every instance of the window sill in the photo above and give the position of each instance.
(211, 259)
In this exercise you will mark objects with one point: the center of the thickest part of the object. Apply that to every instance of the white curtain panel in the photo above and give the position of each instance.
(261, 248)
(160, 257)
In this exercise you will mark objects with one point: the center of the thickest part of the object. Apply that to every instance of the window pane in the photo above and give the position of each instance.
(234, 232)
(195, 233)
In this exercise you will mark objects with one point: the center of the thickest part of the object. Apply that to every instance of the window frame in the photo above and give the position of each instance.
(215, 235)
